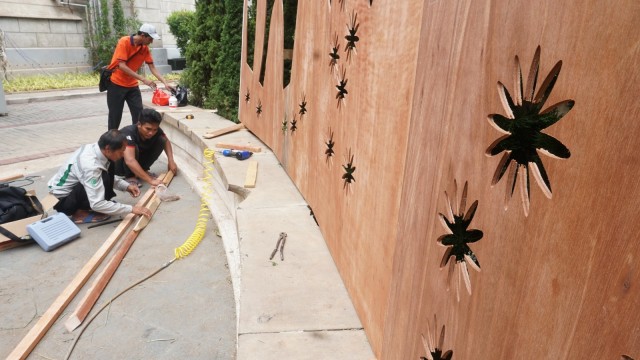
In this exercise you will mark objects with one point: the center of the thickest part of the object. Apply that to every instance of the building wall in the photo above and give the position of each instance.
(45, 36)
(156, 12)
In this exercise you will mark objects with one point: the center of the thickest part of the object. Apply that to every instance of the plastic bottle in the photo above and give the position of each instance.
(173, 102)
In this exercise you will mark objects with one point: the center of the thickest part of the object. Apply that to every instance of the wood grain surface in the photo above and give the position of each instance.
(559, 283)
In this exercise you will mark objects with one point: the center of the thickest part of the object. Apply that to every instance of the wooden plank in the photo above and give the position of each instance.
(10, 244)
(255, 149)
(223, 131)
(101, 281)
(252, 175)
(144, 221)
(11, 177)
(29, 342)
(86, 304)
(97, 287)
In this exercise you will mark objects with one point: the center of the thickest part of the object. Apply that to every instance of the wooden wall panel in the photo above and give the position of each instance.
(558, 283)
(550, 282)
(371, 123)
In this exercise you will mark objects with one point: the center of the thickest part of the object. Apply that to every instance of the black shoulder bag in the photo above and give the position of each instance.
(105, 78)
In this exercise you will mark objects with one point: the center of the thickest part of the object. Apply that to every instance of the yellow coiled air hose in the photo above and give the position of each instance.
(204, 215)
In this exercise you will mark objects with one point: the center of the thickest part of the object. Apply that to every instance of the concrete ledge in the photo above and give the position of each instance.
(34, 11)
(26, 98)
(13, 72)
(286, 309)
(51, 95)
(46, 58)
(316, 345)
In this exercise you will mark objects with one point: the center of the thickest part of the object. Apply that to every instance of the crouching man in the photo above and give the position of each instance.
(84, 185)
(145, 142)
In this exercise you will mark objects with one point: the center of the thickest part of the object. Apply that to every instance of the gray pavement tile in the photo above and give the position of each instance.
(186, 311)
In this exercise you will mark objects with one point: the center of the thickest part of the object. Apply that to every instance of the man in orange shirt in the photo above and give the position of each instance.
(130, 53)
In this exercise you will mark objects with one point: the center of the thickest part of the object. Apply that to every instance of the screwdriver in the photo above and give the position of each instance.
(240, 155)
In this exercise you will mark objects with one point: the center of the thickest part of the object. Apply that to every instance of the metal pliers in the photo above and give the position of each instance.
(280, 245)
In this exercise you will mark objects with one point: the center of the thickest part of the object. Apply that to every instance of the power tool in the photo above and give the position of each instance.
(240, 155)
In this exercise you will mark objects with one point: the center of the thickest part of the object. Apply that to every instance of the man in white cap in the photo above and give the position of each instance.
(130, 53)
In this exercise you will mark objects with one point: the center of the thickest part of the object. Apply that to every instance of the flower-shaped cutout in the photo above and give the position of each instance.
(247, 97)
(294, 123)
(342, 88)
(303, 106)
(329, 152)
(259, 108)
(285, 126)
(352, 38)
(432, 346)
(523, 127)
(349, 169)
(458, 253)
(334, 55)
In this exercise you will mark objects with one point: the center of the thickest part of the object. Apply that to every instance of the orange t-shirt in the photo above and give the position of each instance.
(125, 49)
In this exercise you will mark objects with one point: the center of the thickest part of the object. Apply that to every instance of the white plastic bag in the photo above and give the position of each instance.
(165, 195)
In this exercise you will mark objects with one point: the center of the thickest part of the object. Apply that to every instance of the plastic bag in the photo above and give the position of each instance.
(160, 97)
(165, 195)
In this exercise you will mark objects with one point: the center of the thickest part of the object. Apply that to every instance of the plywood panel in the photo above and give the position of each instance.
(548, 275)
(415, 119)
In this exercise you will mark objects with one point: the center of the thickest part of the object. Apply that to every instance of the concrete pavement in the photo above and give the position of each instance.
(292, 309)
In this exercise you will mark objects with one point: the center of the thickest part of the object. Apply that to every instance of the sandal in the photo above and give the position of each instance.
(134, 180)
(92, 217)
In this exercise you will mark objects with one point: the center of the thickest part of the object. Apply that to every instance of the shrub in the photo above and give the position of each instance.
(213, 56)
(224, 92)
(103, 42)
(202, 48)
(180, 24)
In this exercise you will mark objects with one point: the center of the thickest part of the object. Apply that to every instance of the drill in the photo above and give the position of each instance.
(240, 155)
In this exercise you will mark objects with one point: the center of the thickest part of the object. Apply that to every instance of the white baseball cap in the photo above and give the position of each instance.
(151, 30)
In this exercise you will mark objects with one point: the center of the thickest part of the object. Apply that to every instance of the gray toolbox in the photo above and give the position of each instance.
(54, 231)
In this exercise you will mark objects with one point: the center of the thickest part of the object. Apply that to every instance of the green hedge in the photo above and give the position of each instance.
(213, 56)
(180, 24)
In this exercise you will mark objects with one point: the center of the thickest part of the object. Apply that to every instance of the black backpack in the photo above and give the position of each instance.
(16, 204)
(181, 94)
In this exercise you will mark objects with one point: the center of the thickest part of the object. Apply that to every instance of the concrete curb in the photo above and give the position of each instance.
(47, 96)
(53, 95)
(298, 308)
